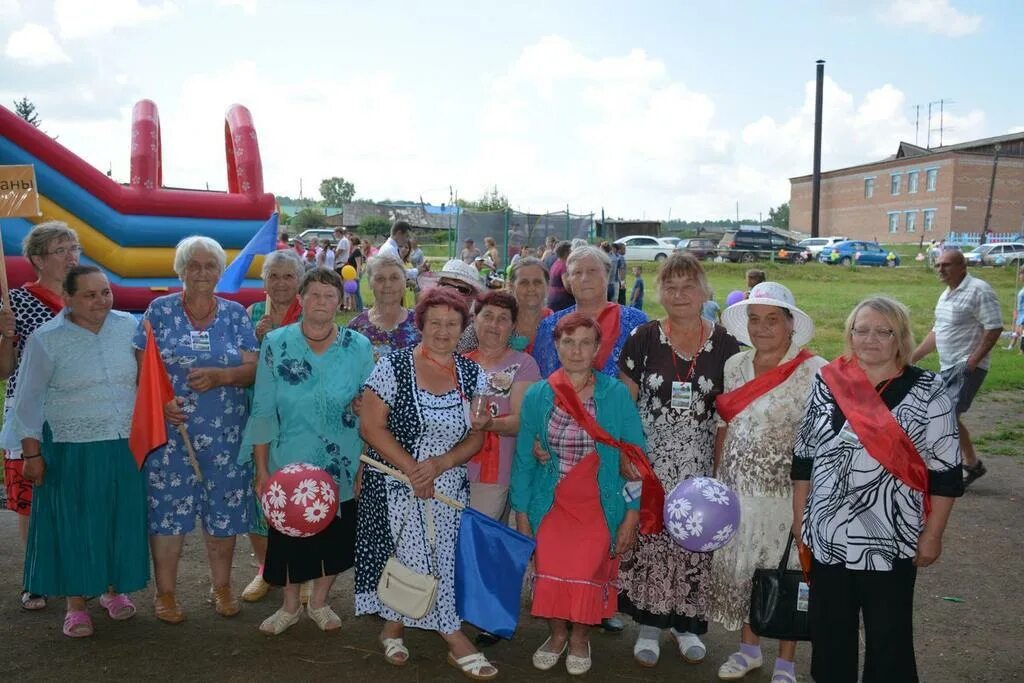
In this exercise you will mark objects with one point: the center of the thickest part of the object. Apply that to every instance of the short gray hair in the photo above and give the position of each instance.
(188, 247)
(526, 262)
(374, 263)
(589, 251)
(578, 243)
(283, 257)
(43, 235)
(898, 316)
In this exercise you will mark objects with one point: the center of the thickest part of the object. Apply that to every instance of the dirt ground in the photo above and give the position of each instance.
(975, 638)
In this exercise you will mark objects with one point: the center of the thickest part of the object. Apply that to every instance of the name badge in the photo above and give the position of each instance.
(682, 395)
(200, 341)
(803, 597)
(847, 434)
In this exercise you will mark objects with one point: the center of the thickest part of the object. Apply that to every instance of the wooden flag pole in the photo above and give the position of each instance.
(5, 299)
(397, 474)
(192, 460)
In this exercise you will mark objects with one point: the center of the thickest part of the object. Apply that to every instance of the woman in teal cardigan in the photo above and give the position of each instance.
(575, 503)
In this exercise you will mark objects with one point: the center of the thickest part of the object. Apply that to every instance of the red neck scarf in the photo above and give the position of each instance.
(52, 300)
(292, 314)
(545, 312)
(879, 432)
(732, 403)
(610, 322)
(489, 456)
(652, 498)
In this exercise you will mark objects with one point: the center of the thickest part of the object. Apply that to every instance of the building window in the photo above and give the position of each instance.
(911, 221)
(929, 219)
(912, 182)
(869, 187)
(894, 183)
(894, 221)
(931, 179)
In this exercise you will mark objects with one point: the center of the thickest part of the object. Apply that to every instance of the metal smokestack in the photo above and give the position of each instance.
(816, 177)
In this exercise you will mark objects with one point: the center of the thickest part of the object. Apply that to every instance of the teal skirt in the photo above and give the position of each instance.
(88, 524)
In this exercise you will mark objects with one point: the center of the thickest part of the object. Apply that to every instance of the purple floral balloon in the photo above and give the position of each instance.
(702, 514)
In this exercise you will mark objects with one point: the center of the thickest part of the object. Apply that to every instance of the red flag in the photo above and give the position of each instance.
(149, 430)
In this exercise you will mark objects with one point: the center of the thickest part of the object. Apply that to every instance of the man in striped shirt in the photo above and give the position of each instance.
(967, 325)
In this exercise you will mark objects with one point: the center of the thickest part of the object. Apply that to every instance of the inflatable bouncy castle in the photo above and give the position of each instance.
(130, 230)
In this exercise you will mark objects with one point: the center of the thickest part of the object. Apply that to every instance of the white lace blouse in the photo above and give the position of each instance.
(82, 384)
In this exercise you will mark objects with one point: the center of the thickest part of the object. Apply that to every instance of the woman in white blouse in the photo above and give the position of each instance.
(72, 416)
(875, 470)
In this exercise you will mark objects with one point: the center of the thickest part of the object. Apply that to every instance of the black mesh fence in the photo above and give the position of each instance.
(513, 230)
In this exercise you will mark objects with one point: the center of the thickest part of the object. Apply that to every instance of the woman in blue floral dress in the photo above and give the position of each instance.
(209, 349)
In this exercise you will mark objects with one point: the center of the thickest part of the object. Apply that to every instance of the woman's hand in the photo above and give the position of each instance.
(627, 469)
(173, 412)
(929, 547)
(8, 327)
(204, 379)
(33, 470)
(357, 404)
(263, 326)
(357, 484)
(423, 475)
(626, 536)
(259, 483)
(540, 453)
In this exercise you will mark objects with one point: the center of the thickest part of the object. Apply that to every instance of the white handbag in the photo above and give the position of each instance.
(402, 589)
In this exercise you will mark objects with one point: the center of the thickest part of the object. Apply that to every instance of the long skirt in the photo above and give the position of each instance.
(575, 573)
(88, 525)
(330, 552)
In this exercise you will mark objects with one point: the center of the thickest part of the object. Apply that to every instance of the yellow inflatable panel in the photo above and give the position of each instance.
(124, 261)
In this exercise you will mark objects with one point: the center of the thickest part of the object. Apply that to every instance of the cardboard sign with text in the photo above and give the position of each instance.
(19, 194)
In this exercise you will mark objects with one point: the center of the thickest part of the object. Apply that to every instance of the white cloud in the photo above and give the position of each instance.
(9, 9)
(1016, 129)
(935, 16)
(247, 6)
(78, 19)
(36, 46)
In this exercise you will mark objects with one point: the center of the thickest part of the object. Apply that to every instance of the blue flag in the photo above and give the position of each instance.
(263, 242)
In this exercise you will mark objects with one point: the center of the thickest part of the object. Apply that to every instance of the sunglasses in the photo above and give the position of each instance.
(461, 288)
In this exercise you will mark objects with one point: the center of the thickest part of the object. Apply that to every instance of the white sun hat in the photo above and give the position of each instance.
(457, 269)
(768, 294)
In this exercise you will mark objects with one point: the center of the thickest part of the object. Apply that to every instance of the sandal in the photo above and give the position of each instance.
(77, 624)
(279, 622)
(690, 645)
(324, 617)
(646, 652)
(545, 659)
(224, 601)
(119, 607)
(305, 590)
(167, 608)
(576, 665)
(32, 601)
(395, 651)
(737, 666)
(780, 676)
(256, 590)
(472, 665)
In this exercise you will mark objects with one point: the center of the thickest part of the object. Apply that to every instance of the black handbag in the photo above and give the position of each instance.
(779, 599)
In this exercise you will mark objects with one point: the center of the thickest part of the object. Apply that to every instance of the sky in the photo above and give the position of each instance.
(650, 110)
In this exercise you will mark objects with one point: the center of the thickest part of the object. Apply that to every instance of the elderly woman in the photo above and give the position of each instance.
(588, 269)
(674, 369)
(282, 273)
(387, 324)
(766, 389)
(209, 349)
(72, 414)
(574, 503)
(887, 430)
(528, 281)
(559, 297)
(309, 373)
(52, 248)
(416, 418)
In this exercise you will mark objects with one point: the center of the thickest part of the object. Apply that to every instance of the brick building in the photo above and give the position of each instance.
(919, 193)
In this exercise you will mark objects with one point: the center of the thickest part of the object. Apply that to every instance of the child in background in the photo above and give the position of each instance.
(754, 277)
(636, 299)
(711, 310)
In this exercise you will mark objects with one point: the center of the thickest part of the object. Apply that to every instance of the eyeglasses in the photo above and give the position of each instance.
(64, 251)
(463, 289)
(881, 333)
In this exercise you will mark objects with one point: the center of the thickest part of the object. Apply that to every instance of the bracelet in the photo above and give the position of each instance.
(30, 457)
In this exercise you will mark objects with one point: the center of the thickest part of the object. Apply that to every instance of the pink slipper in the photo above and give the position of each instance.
(77, 624)
(119, 606)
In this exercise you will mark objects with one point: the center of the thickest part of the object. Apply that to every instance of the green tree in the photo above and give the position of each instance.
(310, 217)
(337, 191)
(374, 225)
(491, 200)
(780, 217)
(26, 110)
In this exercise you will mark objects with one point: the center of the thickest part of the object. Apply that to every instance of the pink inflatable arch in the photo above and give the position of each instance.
(147, 155)
(245, 170)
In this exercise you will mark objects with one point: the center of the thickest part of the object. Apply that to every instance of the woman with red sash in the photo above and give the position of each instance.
(52, 248)
(575, 503)
(282, 273)
(766, 389)
(876, 468)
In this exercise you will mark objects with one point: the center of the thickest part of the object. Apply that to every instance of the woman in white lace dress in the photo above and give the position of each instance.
(760, 422)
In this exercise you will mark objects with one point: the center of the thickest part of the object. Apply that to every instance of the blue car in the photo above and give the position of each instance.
(860, 253)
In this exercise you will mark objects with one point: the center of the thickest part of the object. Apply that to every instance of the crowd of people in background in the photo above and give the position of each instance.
(536, 392)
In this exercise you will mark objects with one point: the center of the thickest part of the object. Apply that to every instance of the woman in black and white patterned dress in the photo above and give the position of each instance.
(865, 522)
(415, 417)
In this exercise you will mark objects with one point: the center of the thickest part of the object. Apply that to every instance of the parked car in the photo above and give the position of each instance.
(861, 253)
(815, 244)
(700, 247)
(748, 246)
(974, 256)
(1005, 254)
(646, 248)
(671, 240)
(315, 233)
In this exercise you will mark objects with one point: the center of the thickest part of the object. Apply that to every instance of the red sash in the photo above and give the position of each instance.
(879, 432)
(545, 312)
(488, 458)
(732, 403)
(652, 498)
(292, 314)
(52, 300)
(610, 321)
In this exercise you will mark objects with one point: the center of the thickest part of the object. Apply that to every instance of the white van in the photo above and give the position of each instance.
(816, 244)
